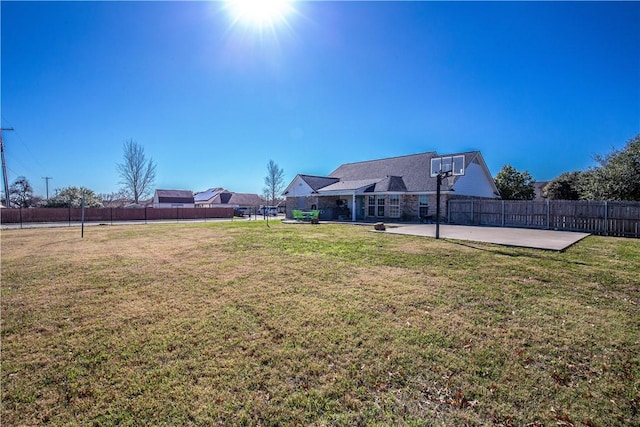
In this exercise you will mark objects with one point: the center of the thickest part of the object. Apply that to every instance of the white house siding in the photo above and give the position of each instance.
(473, 183)
(299, 188)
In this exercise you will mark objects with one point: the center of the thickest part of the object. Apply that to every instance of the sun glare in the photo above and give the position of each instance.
(259, 13)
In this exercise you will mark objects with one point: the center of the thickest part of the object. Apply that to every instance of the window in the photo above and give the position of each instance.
(380, 202)
(394, 205)
(375, 206)
(424, 206)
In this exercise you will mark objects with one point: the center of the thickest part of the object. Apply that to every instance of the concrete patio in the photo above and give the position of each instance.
(522, 237)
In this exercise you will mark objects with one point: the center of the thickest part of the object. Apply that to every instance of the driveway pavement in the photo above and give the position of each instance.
(524, 237)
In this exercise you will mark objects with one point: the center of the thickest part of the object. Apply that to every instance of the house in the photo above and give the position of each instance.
(173, 199)
(219, 197)
(205, 199)
(393, 189)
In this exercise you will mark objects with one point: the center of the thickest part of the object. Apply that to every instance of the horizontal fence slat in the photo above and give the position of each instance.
(605, 218)
(29, 215)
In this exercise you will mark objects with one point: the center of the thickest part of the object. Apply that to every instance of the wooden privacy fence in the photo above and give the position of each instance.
(606, 218)
(110, 214)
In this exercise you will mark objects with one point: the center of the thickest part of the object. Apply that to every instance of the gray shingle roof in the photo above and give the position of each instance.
(174, 196)
(411, 173)
(350, 185)
(317, 182)
(391, 183)
(245, 199)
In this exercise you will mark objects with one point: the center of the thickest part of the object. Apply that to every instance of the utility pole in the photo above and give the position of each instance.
(4, 170)
(47, 178)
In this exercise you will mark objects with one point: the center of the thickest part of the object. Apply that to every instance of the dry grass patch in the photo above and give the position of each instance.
(200, 324)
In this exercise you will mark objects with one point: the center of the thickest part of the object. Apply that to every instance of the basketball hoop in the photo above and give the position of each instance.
(445, 167)
(441, 175)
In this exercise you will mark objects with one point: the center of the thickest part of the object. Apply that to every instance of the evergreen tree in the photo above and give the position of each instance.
(515, 185)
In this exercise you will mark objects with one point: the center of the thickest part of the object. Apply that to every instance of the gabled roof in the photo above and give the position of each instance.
(317, 182)
(353, 185)
(245, 199)
(378, 185)
(225, 197)
(208, 194)
(174, 196)
(411, 173)
(220, 196)
(391, 183)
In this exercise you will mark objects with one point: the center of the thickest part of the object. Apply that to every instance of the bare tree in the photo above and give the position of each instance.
(137, 174)
(274, 182)
(115, 199)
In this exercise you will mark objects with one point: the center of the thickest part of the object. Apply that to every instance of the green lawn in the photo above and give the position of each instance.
(240, 324)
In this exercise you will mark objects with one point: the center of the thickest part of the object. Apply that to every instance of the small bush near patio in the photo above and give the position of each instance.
(239, 324)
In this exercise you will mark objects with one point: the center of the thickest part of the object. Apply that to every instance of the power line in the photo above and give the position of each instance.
(28, 150)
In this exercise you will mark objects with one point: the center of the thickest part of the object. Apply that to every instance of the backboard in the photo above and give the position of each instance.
(454, 164)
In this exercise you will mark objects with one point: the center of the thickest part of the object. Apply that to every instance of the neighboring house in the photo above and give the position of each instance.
(173, 199)
(282, 207)
(393, 189)
(219, 197)
(206, 199)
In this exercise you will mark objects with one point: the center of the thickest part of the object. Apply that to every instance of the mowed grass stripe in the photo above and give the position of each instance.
(240, 324)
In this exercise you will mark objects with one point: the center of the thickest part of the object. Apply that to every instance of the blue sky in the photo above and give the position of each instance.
(541, 86)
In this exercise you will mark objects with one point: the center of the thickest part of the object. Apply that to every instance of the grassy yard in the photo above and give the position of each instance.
(239, 324)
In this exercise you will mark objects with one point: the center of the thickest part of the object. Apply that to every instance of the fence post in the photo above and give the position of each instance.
(21, 217)
(548, 214)
(502, 213)
(69, 215)
(606, 217)
(473, 213)
(82, 216)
